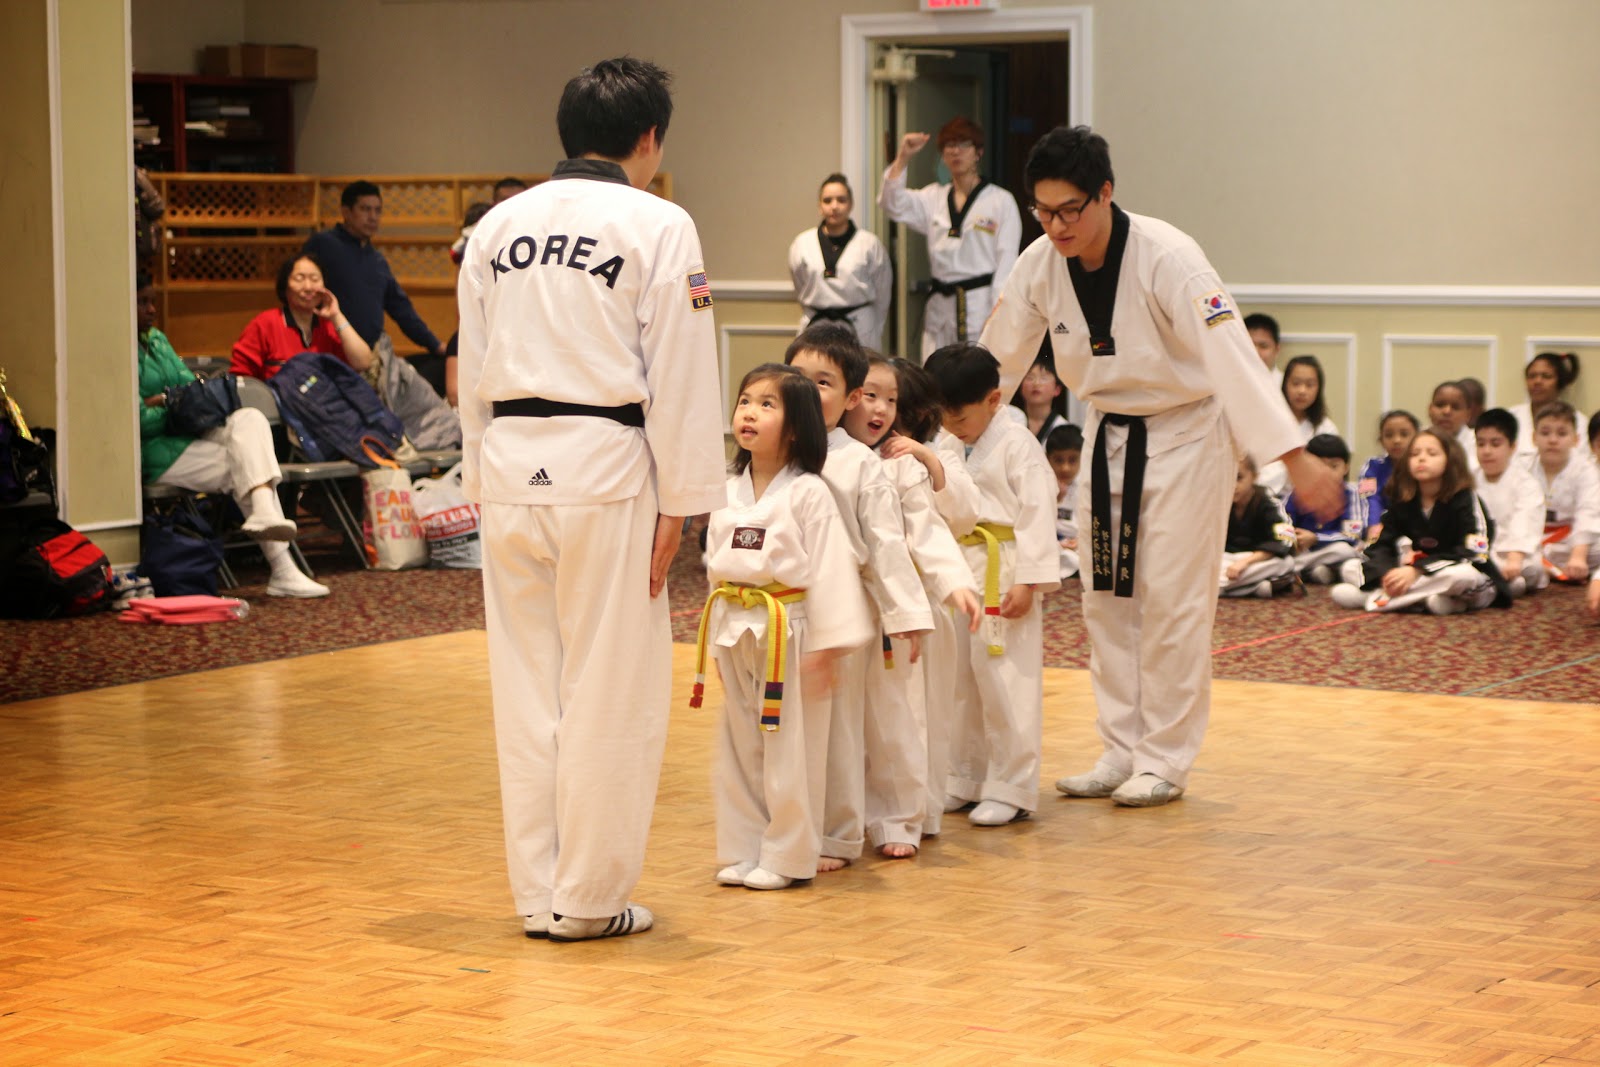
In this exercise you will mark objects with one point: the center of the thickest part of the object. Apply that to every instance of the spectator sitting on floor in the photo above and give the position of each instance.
(236, 457)
(307, 319)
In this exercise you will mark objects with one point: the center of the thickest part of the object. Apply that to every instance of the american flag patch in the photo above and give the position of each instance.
(699, 291)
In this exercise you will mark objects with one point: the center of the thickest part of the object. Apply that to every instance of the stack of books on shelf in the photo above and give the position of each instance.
(145, 132)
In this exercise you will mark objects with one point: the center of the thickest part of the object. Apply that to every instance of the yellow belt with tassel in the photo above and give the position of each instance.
(775, 596)
(990, 534)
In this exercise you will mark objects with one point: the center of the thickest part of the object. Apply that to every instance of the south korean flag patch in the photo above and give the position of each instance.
(1477, 544)
(1216, 308)
(1352, 529)
(699, 291)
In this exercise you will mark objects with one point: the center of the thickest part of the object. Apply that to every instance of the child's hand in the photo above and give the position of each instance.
(1397, 581)
(1235, 569)
(899, 445)
(1592, 600)
(1071, 543)
(965, 600)
(1303, 539)
(1016, 602)
(816, 671)
(1578, 565)
(916, 646)
(1374, 532)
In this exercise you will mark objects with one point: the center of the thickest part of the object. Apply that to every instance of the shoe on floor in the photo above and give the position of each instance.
(1263, 590)
(1518, 586)
(1146, 791)
(954, 803)
(1098, 781)
(297, 585)
(536, 926)
(264, 528)
(994, 813)
(1440, 604)
(761, 878)
(1321, 574)
(1348, 596)
(735, 874)
(634, 919)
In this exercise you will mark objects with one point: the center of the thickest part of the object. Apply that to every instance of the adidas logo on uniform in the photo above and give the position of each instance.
(541, 478)
(1061, 327)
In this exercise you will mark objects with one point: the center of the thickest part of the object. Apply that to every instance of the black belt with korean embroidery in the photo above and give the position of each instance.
(959, 291)
(1112, 557)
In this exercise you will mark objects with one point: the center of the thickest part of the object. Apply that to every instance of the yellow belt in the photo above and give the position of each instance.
(990, 534)
(775, 596)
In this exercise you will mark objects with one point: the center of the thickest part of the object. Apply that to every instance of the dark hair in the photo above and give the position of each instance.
(803, 429)
(1399, 413)
(142, 279)
(1498, 419)
(1319, 406)
(1247, 460)
(1594, 428)
(921, 405)
(1452, 384)
(356, 190)
(475, 213)
(1457, 473)
(1074, 154)
(837, 179)
(1556, 409)
(1473, 391)
(510, 182)
(836, 342)
(1260, 320)
(959, 129)
(1066, 438)
(1045, 359)
(1328, 446)
(1565, 364)
(608, 107)
(286, 268)
(966, 373)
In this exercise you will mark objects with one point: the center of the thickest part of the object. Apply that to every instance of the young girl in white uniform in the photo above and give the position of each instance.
(840, 272)
(786, 601)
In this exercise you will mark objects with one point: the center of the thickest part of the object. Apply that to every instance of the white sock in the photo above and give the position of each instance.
(264, 503)
(278, 558)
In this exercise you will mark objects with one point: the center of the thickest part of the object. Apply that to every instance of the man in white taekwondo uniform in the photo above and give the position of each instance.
(591, 412)
(973, 230)
(841, 273)
(1144, 332)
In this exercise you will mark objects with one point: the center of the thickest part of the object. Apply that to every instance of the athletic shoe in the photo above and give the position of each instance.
(1518, 586)
(1146, 791)
(761, 878)
(954, 803)
(1099, 781)
(536, 926)
(1262, 591)
(994, 813)
(735, 874)
(1351, 573)
(634, 919)
(1321, 574)
(264, 528)
(295, 584)
(1348, 596)
(1441, 604)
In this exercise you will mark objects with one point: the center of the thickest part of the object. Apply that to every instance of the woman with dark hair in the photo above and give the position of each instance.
(307, 319)
(841, 273)
(1546, 377)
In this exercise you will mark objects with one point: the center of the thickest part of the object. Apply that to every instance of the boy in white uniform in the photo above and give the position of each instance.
(1143, 331)
(1571, 489)
(592, 425)
(1514, 502)
(828, 354)
(842, 273)
(1012, 551)
(973, 230)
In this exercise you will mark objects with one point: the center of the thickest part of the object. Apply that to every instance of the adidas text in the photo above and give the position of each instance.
(541, 478)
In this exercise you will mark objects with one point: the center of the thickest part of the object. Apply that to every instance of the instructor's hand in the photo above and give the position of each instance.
(1315, 486)
(669, 530)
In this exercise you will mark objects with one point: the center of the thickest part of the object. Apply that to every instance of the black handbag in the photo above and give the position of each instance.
(201, 405)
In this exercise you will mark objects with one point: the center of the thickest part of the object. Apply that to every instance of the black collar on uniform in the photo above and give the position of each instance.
(600, 170)
(958, 217)
(1097, 290)
(833, 246)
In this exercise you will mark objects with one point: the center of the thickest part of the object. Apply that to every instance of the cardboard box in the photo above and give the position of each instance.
(290, 62)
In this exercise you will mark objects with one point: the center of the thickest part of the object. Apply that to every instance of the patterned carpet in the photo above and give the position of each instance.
(1545, 648)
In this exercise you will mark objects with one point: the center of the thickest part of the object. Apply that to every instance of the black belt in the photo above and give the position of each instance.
(1115, 571)
(959, 291)
(835, 314)
(534, 407)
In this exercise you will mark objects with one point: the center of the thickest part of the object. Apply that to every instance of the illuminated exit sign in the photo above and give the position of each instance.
(960, 5)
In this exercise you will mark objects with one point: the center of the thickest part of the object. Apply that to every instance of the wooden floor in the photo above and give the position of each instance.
(300, 863)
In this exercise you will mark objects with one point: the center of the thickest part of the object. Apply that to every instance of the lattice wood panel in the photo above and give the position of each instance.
(228, 201)
(426, 260)
(196, 261)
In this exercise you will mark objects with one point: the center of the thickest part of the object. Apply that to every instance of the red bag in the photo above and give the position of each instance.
(54, 571)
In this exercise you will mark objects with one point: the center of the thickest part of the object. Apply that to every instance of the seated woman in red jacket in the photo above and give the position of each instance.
(307, 320)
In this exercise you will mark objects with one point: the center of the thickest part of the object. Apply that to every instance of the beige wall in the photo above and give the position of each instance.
(169, 34)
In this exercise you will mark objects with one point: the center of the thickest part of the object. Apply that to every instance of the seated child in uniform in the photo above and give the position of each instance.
(1257, 557)
(1064, 449)
(1322, 547)
(999, 695)
(786, 602)
(1571, 489)
(1447, 413)
(1432, 502)
(1514, 501)
(1395, 431)
(1042, 398)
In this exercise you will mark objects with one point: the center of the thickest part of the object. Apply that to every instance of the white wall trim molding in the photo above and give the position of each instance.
(754, 289)
(1391, 341)
(725, 336)
(1349, 341)
(1535, 345)
(858, 32)
(1422, 295)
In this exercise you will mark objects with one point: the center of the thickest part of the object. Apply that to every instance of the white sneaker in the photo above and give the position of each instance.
(994, 813)
(1321, 574)
(1348, 596)
(634, 919)
(1098, 781)
(761, 878)
(1518, 586)
(1440, 604)
(735, 874)
(1146, 791)
(295, 584)
(265, 528)
(1263, 590)
(954, 803)
(536, 926)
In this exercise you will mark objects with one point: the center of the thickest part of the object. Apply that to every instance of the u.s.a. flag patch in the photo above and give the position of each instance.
(699, 291)
(1215, 307)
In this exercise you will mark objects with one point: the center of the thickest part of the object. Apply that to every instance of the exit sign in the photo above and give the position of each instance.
(960, 5)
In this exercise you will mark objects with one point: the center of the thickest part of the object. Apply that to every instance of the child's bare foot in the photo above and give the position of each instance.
(831, 863)
(897, 850)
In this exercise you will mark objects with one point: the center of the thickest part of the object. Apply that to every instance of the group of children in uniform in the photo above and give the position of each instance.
(875, 613)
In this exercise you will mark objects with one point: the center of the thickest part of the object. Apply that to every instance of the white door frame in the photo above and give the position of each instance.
(858, 32)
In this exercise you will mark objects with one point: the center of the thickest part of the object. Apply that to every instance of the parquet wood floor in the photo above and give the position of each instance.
(299, 862)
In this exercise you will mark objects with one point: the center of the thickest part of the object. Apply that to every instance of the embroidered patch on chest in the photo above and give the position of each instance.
(988, 226)
(751, 537)
(1215, 308)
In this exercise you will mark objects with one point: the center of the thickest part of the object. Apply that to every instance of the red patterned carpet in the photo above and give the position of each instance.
(1545, 648)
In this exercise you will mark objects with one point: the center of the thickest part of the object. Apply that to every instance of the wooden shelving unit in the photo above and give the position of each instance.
(212, 125)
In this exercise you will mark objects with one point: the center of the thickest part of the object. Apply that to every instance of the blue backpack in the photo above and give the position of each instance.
(331, 408)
